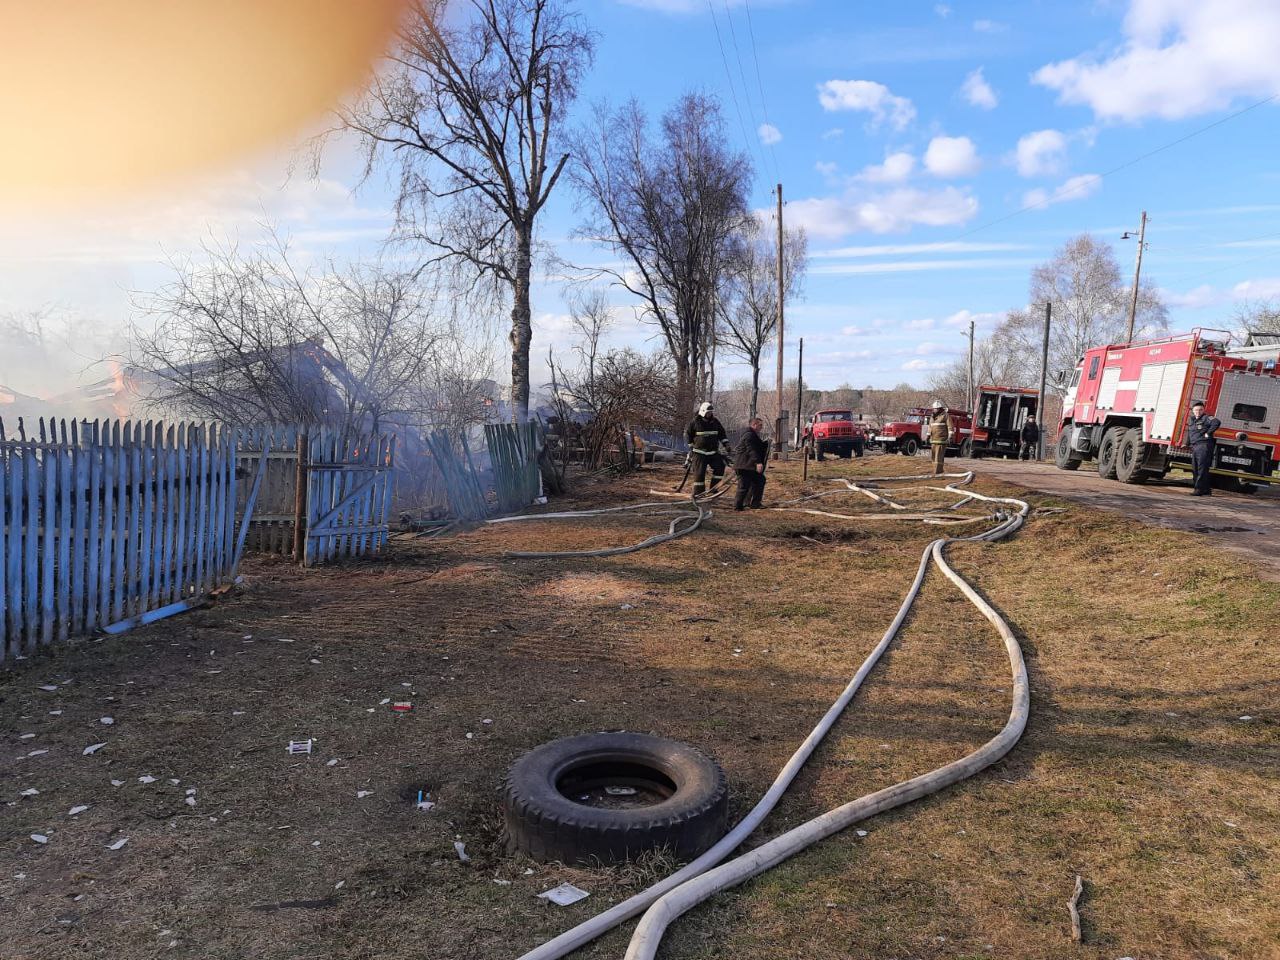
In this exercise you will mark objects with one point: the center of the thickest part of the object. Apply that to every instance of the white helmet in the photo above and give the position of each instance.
(937, 405)
(704, 408)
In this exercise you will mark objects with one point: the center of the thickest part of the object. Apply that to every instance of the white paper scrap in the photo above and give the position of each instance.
(564, 895)
(78, 809)
(118, 844)
(93, 748)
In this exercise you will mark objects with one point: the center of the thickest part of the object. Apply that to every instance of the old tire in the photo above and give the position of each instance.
(1108, 452)
(909, 447)
(1129, 456)
(1062, 453)
(687, 789)
(966, 448)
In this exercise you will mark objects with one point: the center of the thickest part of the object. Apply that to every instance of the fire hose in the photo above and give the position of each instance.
(671, 897)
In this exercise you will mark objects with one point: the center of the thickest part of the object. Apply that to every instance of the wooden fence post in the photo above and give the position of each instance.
(300, 502)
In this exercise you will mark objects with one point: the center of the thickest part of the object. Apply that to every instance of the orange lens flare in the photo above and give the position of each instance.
(104, 97)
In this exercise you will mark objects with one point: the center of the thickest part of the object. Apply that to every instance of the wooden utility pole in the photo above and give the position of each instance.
(1137, 272)
(779, 441)
(799, 391)
(968, 399)
(1044, 373)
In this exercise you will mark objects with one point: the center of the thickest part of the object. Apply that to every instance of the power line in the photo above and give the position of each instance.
(733, 92)
(764, 104)
(1098, 177)
(746, 88)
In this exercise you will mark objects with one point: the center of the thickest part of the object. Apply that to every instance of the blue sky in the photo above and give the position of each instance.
(907, 136)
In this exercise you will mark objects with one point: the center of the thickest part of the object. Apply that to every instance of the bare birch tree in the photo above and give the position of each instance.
(1090, 307)
(669, 208)
(470, 115)
(751, 311)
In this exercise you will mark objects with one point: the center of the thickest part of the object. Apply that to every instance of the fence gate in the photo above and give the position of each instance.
(348, 493)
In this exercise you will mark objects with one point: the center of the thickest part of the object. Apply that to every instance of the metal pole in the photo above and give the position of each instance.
(968, 400)
(1137, 271)
(799, 390)
(780, 442)
(1044, 373)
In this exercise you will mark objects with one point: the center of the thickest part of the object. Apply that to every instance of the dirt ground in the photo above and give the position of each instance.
(1151, 765)
(1247, 524)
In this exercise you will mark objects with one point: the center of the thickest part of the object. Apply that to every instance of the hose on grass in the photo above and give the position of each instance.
(679, 892)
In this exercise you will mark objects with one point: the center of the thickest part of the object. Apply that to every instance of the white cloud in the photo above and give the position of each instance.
(1180, 58)
(769, 134)
(951, 157)
(1262, 289)
(1041, 154)
(925, 323)
(827, 169)
(929, 348)
(990, 26)
(919, 266)
(901, 249)
(831, 218)
(977, 92)
(924, 365)
(867, 96)
(942, 10)
(834, 133)
(854, 331)
(896, 168)
(1194, 299)
(960, 319)
(1076, 188)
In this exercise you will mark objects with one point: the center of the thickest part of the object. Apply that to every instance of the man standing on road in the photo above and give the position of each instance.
(749, 460)
(705, 436)
(1030, 439)
(1200, 438)
(939, 434)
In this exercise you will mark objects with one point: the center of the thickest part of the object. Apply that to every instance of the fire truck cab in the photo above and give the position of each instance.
(1127, 407)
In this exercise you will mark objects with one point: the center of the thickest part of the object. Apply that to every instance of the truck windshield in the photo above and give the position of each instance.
(834, 417)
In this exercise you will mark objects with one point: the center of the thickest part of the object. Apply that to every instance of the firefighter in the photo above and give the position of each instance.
(708, 444)
(939, 434)
(749, 460)
(1030, 439)
(1200, 438)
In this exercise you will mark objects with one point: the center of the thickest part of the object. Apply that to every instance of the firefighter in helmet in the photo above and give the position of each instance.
(939, 435)
(708, 444)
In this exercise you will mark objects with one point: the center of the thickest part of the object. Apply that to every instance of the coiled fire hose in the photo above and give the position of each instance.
(702, 878)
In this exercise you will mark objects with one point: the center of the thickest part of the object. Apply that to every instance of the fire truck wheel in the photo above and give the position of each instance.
(910, 447)
(608, 797)
(1107, 452)
(966, 448)
(1131, 451)
(1062, 453)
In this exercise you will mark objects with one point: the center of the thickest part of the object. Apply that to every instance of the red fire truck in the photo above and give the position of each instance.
(910, 435)
(1127, 407)
(1002, 412)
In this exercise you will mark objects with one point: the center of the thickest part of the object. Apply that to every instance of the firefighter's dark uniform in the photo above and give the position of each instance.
(939, 434)
(1030, 440)
(704, 436)
(1200, 439)
(752, 455)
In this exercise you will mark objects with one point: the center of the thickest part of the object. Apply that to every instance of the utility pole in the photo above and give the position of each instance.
(799, 391)
(1137, 271)
(1044, 373)
(968, 399)
(780, 443)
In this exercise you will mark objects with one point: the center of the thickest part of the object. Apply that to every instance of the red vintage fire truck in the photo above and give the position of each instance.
(1127, 407)
(909, 435)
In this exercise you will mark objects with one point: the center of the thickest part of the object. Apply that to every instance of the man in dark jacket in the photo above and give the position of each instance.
(749, 460)
(1200, 438)
(708, 443)
(1030, 439)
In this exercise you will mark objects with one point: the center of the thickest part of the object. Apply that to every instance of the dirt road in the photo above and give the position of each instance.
(1245, 524)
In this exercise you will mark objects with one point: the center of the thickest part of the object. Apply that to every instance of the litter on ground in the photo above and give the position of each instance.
(39, 838)
(299, 746)
(78, 809)
(118, 844)
(93, 748)
(462, 851)
(564, 894)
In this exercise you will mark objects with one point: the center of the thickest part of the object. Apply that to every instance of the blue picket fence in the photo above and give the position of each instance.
(104, 523)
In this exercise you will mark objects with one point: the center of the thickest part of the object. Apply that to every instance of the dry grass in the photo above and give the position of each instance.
(1145, 646)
